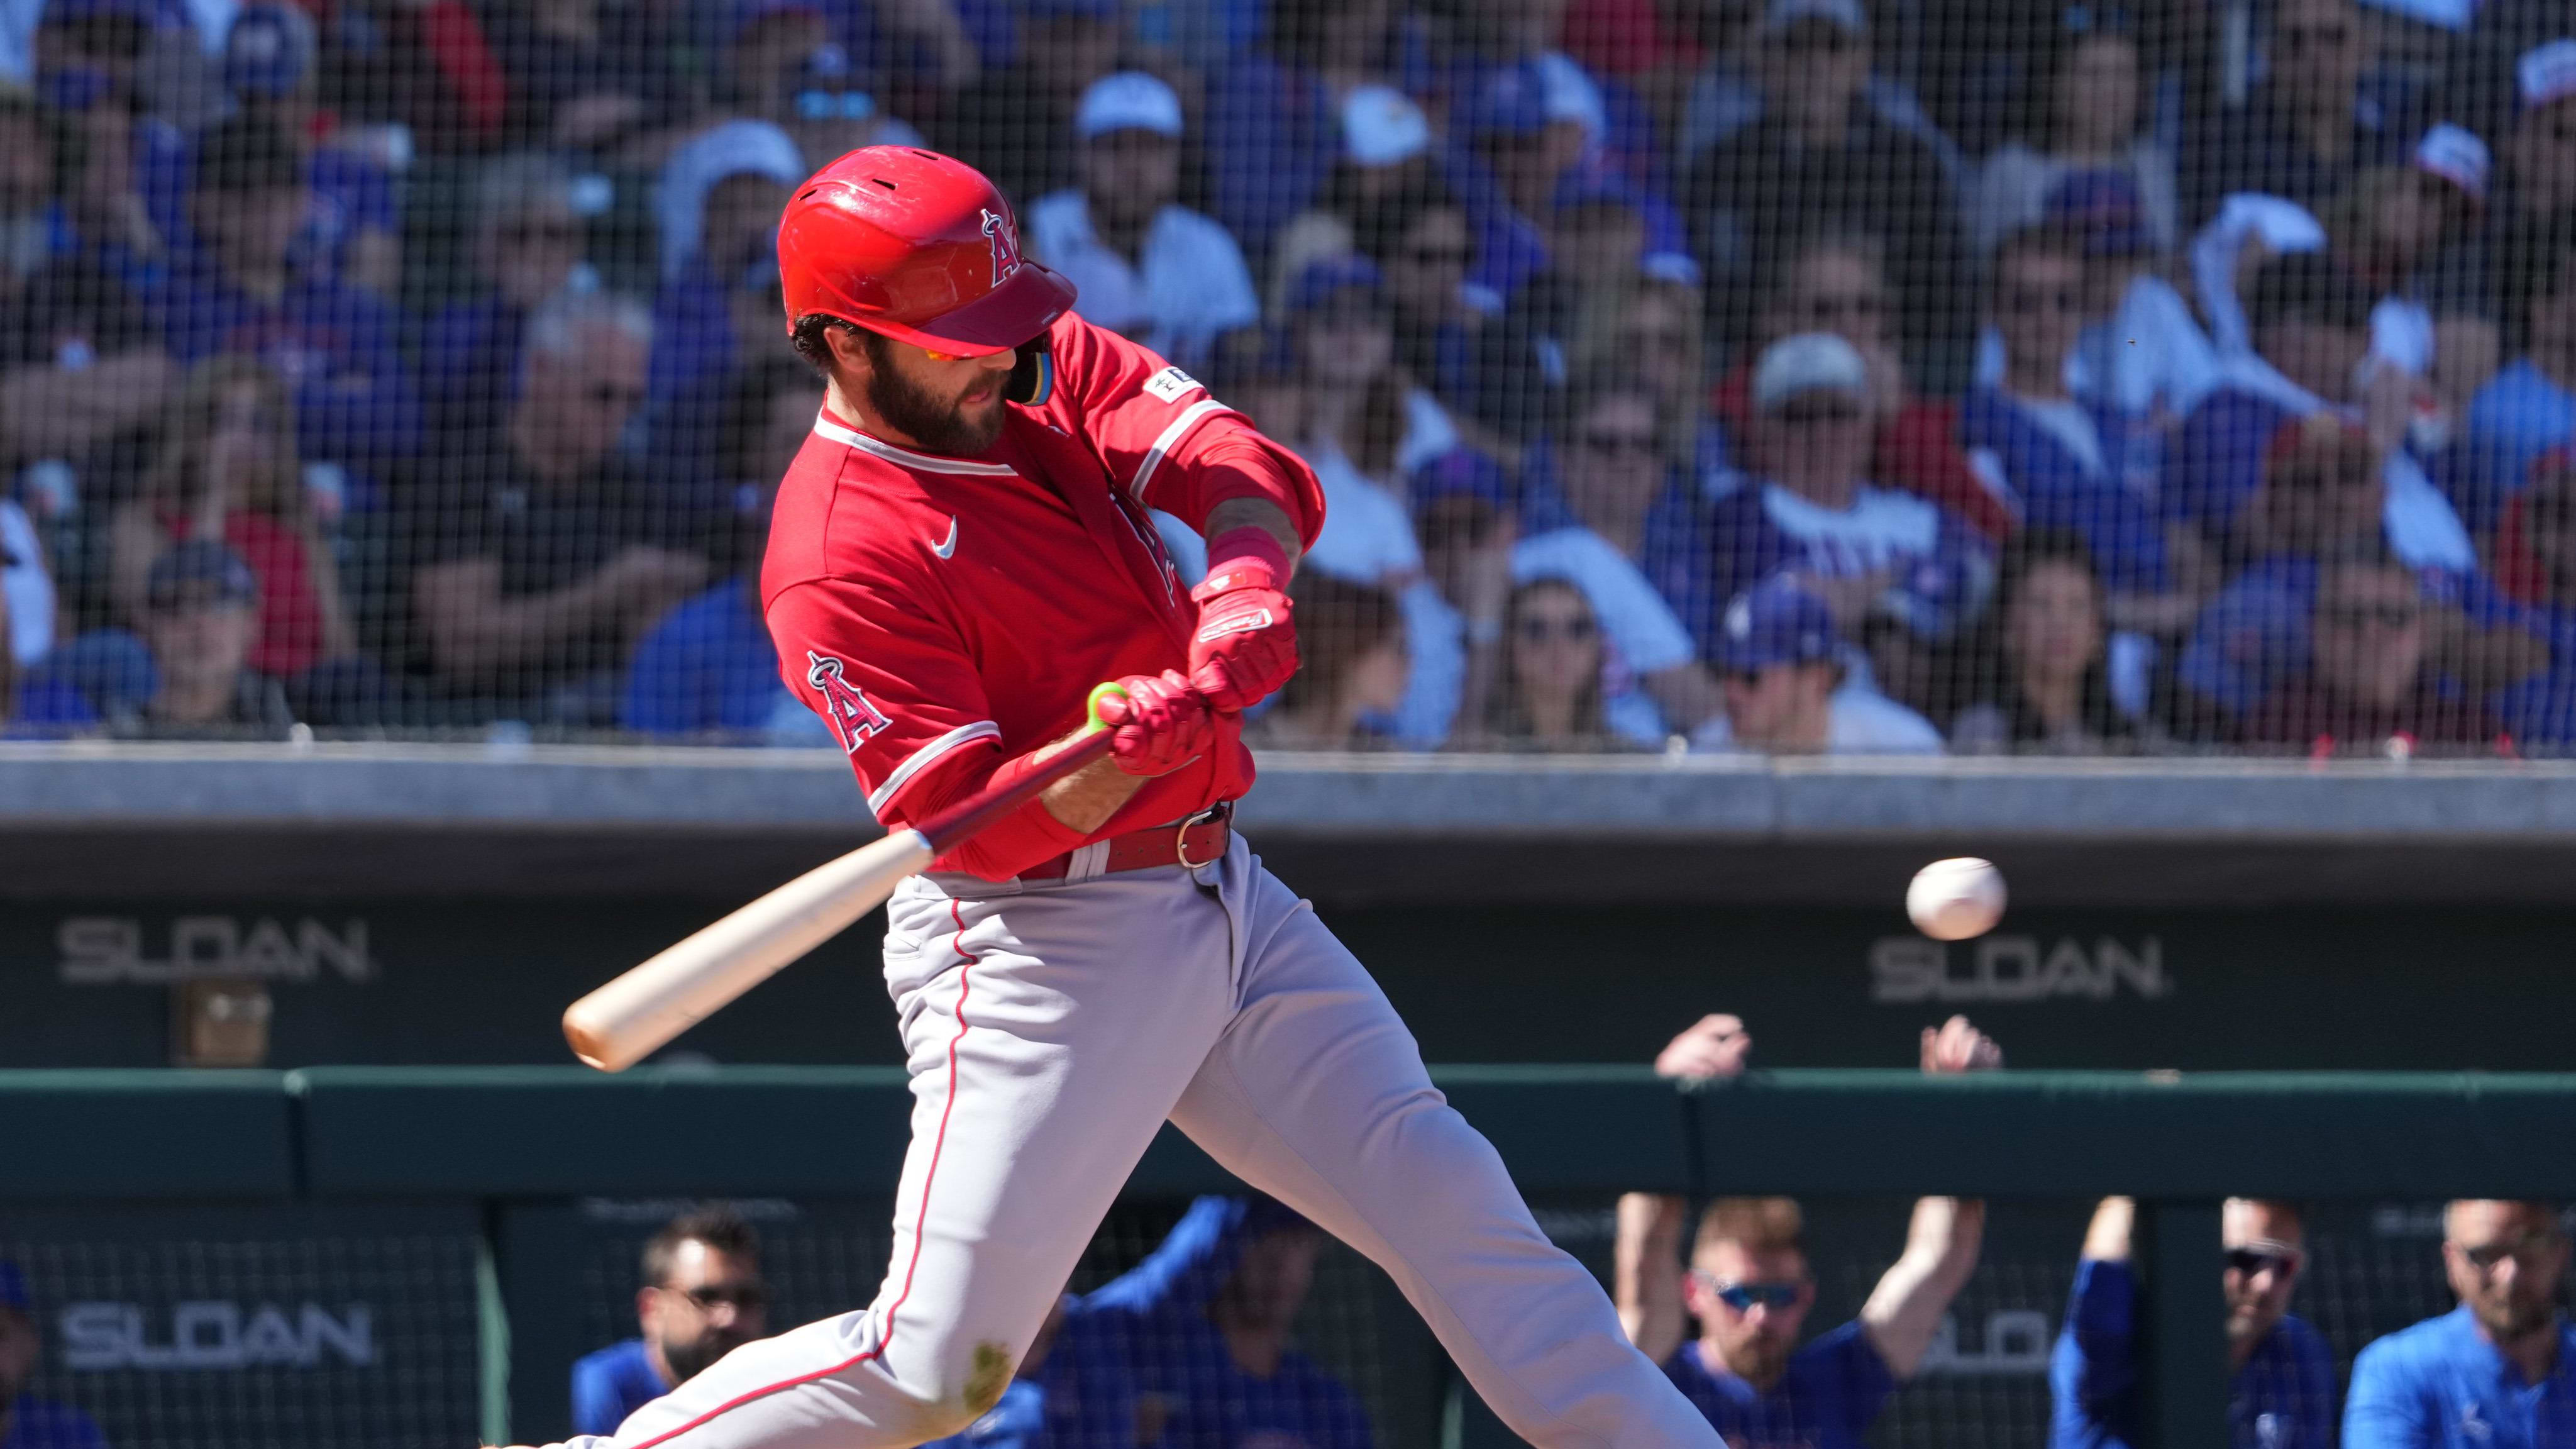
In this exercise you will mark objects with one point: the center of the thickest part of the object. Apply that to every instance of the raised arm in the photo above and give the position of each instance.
(1646, 1272)
(1905, 1310)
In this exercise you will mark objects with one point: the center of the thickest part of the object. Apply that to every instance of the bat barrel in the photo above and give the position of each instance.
(635, 1015)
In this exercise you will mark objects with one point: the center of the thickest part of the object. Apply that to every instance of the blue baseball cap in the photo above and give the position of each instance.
(269, 51)
(2104, 207)
(13, 1288)
(1324, 280)
(199, 564)
(1462, 473)
(1776, 622)
(1508, 100)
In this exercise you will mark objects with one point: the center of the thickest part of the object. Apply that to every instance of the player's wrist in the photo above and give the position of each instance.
(1248, 557)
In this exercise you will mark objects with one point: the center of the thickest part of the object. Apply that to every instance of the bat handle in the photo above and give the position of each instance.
(965, 818)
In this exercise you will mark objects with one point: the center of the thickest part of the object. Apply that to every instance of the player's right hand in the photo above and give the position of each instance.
(1159, 723)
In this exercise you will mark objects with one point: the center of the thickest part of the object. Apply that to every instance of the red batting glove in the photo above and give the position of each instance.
(1160, 723)
(1246, 643)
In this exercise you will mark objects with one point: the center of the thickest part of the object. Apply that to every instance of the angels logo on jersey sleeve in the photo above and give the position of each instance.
(1006, 244)
(853, 719)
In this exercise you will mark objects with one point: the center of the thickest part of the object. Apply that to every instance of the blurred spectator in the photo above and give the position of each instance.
(2088, 116)
(1728, 94)
(1898, 572)
(2246, 235)
(1463, 507)
(227, 470)
(2310, 324)
(1352, 667)
(2307, 128)
(709, 667)
(718, 204)
(1145, 265)
(2499, 1368)
(419, 74)
(1549, 693)
(1836, 281)
(1386, 149)
(28, 1422)
(1278, 116)
(351, 229)
(2063, 461)
(187, 670)
(2530, 406)
(2388, 228)
(1788, 693)
(2043, 676)
(82, 369)
(702, 1298)
(1750, 1286)
(1365, 429)
(2536, 185)
(355, 405)
(1453, 337)
(829, 111)
(1603, 509)
(527, 244)
(584, 75)
(1657, 330)
(1220, 1341)
(1819, 156)
(2281, 1389)
(2143, 354)
(2370, 684)
(2536, 552)
(546, 554)
(26, 589)
(1015, 124)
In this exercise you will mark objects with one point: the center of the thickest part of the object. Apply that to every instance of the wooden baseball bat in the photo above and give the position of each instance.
(633, 1016)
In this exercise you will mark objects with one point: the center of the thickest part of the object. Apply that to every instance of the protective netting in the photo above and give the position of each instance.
(1757, 375)
(196, 1327)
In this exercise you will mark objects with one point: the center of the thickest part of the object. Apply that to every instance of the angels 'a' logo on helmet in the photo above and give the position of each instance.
(1006, 244)
(852, 718)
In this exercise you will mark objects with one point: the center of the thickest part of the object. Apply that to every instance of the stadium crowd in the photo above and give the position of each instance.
(1764, 375)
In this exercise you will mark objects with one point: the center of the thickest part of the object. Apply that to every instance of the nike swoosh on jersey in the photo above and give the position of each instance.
(948, 548)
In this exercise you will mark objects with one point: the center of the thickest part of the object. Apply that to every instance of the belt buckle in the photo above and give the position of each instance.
(1219, 811)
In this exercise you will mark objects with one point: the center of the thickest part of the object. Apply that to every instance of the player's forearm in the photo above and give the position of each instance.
(1646, 1272)
(1259, 513)
(1084, 800)
(1905, 1311)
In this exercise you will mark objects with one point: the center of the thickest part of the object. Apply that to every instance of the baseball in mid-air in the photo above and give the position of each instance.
(1952, 900)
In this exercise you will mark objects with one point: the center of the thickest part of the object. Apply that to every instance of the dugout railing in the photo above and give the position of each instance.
(431, 1235)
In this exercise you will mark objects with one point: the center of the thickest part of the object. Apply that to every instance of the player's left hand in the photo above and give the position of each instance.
(1160, 723)
(1957, 1046)
(1245, 645)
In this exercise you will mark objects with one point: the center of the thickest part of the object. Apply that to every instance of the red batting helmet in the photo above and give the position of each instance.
(917, 246)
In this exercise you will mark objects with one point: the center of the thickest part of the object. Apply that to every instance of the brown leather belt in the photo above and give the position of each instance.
(1195, 841)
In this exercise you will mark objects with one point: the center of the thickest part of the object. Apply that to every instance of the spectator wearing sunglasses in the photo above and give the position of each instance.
(1900, 574)
(1549, 693)
(529, 242)
(827, 108)
(539, 550)
(1788, 692)
(2282, 1390)
(2370, 685)
(1749, 1284)
(2501, 1368)
(702, 1298)
(2061, 462)
(2307, 128)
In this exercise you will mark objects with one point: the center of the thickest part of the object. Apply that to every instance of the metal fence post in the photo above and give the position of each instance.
(2184, 1319)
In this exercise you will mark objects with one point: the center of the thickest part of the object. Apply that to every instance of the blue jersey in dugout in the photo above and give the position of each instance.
(2441, 1385)
(1826, 1398)
(2283, 1398)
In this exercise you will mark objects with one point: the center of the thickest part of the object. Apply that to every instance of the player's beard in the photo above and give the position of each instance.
(940, 424)
(690, 1357)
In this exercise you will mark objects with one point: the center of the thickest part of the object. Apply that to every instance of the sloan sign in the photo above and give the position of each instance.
(116, 950)
(216, 1334)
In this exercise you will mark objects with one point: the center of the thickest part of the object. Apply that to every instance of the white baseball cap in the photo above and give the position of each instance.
(2455, 154)
(1381, 126)
(1128, 101)
(1779, 15)
(1808, 362)
(2547, 74)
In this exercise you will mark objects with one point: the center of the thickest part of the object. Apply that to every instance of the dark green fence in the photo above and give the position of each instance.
(478, 1210)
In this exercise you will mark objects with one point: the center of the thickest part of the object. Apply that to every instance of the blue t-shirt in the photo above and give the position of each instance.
(2519, 415)
(708, 666)
(2441, 1385)
(2216, 461)
(2284, 1397)
(36, 1423)
(2059, 487)
(611, 1384)
(1939, 572)
(1826, 1399)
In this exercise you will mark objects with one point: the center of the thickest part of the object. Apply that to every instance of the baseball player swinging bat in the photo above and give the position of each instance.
(1079, 946)
(639, 1012)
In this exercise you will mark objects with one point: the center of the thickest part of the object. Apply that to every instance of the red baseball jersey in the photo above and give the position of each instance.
(947, 615)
